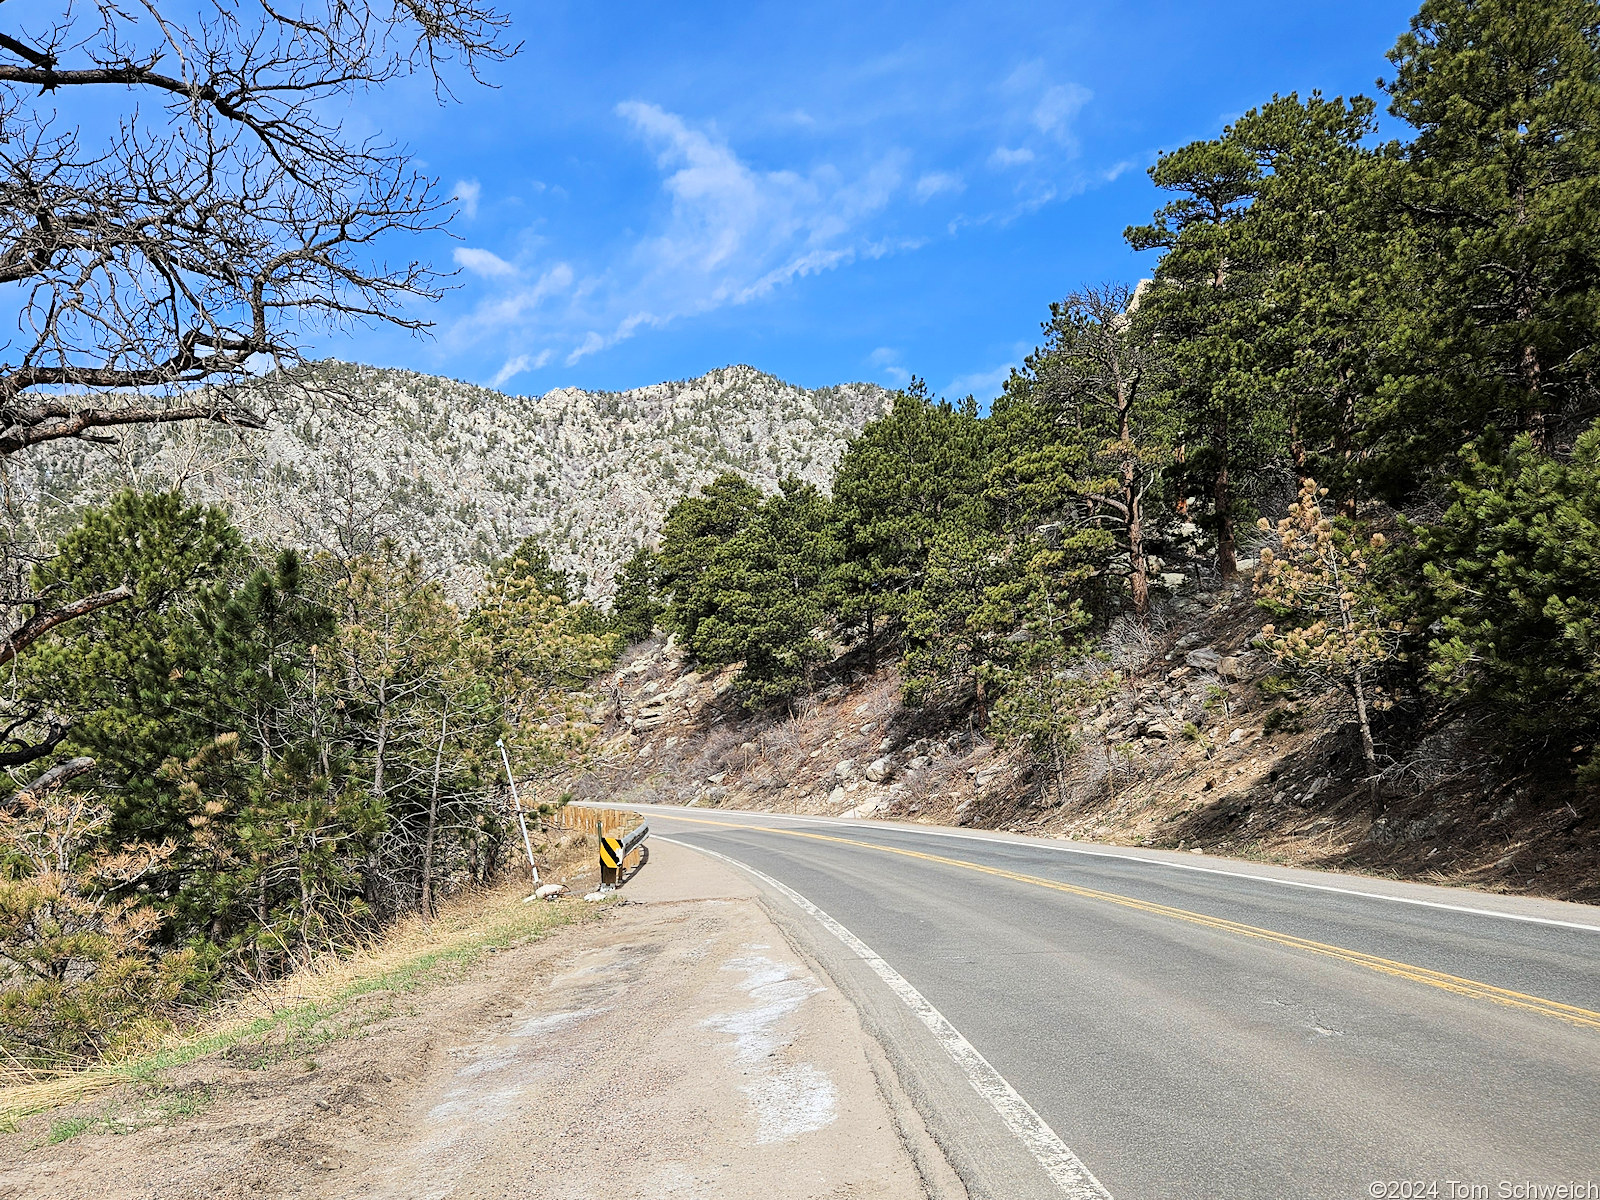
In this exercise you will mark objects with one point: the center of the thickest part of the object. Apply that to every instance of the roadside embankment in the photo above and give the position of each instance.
(673, 1045)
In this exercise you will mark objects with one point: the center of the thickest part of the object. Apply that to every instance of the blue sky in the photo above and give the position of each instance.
(829, 191)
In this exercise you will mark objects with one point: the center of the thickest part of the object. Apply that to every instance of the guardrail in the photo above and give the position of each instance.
(614, 853)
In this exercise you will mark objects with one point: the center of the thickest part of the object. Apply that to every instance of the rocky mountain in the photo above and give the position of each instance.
(461, 473)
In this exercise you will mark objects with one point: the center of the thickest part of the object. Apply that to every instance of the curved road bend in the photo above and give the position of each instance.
(1190, 1026)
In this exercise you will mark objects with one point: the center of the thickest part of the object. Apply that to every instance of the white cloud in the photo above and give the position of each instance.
(592, 342)
(724, 233)
(985, 385)
(1056, 109)
(519, 364)
(483, 262)
(1004, 157)
(887, 361)
(467, 194)
(1040, 117)
(934, 183)
(517, 311)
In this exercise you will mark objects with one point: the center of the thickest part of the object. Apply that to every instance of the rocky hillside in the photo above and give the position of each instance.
(1194, 743)
(461, 473)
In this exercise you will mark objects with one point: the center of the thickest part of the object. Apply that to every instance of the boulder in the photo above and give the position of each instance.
(879, 769)
(1236, 666)
(845, 769)
(870, 808)
(549, 891)
(917, 763)
(1203, 658)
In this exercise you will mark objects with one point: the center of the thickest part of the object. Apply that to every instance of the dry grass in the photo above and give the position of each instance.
(410, 955)
(594, 823)
(591, 822)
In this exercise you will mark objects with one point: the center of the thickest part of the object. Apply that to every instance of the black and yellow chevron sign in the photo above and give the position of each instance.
(611, 852)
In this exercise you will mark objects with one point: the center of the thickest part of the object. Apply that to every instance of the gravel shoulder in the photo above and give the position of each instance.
(678, 1046)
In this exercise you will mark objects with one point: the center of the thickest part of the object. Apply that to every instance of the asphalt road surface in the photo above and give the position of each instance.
(1093, 1021)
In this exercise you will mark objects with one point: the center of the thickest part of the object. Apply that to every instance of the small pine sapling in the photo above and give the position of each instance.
(1320, 585)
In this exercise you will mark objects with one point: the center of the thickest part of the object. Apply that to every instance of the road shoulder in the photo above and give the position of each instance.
(679, 1047)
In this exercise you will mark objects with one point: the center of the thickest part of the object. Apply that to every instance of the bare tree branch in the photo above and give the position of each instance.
(62, 772)
(193, 242)
(41, 623)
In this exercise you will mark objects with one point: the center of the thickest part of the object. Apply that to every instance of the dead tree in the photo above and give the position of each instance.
(180, 203)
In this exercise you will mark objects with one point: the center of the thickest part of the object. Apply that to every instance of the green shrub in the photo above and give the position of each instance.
(1509, 587)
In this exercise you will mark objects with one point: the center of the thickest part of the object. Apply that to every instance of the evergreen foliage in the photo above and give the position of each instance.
(1508, 588)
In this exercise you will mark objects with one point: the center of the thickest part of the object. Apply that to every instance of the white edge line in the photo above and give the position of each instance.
(1064, 1167)
(1159, 862)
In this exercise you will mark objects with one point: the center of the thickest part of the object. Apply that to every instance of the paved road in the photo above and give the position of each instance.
(1194, 1027)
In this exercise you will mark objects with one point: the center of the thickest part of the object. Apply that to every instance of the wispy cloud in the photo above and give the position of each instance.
(467, 194)
(985, 385)
(935, 183)
(886, 360)
(1056, 110)
(483, 262)
(516, 366)
(1004, 156)
(726, 233)
(721, 230)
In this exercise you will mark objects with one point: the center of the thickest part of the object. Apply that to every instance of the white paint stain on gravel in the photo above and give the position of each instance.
(452, 1146)
(788, 1099)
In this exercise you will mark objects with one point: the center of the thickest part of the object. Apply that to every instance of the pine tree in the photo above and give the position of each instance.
(1099, 379)
(1508, 585)
(1332, 624)
(81, 975)
(1503, 189)
(636, 606)
(919, 466)
(1206, 308)
(764, 590)
(1323, 230)
(696, 526)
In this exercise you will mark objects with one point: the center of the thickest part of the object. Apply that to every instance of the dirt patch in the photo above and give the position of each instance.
(675, 1047)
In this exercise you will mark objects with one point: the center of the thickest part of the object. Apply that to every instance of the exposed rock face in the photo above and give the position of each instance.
(462, 473)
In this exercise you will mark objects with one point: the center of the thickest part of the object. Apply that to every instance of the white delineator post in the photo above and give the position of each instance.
(522, 819)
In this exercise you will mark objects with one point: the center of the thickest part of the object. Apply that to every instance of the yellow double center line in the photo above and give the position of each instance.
(1386, 966)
